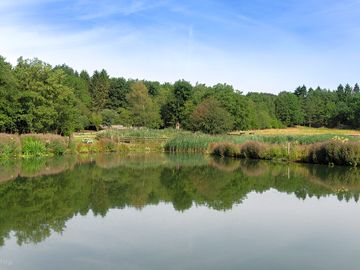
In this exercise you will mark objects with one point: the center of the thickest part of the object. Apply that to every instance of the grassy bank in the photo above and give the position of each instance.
(288, 144)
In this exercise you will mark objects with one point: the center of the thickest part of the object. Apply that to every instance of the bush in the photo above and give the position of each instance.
(57, 148)
(335, 152)
(252, 150)
(225, 149)
(107, 145)
(109, 117)
(209, 117)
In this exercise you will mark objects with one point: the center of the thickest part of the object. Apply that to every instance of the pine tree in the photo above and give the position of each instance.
(99, 90)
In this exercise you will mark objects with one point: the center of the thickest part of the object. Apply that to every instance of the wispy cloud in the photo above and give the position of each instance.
(255, 45)
(99, 9)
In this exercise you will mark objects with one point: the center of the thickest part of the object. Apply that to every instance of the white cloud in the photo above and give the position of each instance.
(172, 50)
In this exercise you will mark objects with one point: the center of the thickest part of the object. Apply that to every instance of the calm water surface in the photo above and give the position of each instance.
(177, 212)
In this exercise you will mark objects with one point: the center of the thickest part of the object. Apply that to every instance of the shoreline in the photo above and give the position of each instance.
(323, 149)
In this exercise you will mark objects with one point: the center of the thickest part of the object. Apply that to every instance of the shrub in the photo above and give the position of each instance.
(225, 149)
(107, 145)
(252, 150)
(335, 152)
(109, 117)
(275, 151)
(210, 117)
(57, 148)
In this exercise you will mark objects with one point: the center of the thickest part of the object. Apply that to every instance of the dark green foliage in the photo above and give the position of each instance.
(210, 117)
(263, 114)
(119, 88)
(109, 117)
(45, 102)
(99, 90)
(37, 98)
(288, 109)
(173, 111)
(33, 147)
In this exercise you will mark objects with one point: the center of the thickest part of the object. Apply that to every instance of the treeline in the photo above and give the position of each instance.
(36, 97)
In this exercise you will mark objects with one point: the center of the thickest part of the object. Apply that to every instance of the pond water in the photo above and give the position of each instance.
(177, 212)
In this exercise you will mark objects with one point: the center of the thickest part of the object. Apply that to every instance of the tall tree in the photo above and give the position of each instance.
(99, 90)
(356, 89)
(288, 109)
(210, 117)
(47, 104)
(173, 112)
(8, 97)
(119, 88)
(145, 113)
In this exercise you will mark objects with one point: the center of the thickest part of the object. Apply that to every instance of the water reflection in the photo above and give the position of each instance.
(38, 196)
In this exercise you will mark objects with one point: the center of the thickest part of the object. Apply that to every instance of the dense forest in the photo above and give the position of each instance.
(36, 97)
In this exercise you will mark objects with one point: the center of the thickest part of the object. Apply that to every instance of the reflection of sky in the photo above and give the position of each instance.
(268, 231)
(255, 45)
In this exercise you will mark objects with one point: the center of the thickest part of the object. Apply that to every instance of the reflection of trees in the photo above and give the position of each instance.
(36, 207)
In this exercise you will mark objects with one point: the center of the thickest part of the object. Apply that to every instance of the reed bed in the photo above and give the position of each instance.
(332, 152)
(201, 142)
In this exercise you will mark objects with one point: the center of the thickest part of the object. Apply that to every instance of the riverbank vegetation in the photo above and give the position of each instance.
(36, 97)
(320, 148)
(337, 151)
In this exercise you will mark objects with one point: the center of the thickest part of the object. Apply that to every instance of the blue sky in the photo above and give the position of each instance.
(257, 45)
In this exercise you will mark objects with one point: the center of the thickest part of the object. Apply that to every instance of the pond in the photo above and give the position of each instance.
(177, 212)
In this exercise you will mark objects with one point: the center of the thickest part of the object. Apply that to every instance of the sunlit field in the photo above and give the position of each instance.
(300, 130)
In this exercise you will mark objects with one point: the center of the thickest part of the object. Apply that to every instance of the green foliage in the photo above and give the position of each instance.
(57, 147)
(173, 111)
(109, 117)
(9, 146)
(32, 147)
(145, 113)
(125, 117)
(43, 144)
(288, 109)
(99, 90)
(119, 88)
(37, 98)
(96, 120)
(210, 117)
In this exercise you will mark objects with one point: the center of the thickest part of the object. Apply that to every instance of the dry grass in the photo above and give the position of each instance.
(300, 130)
